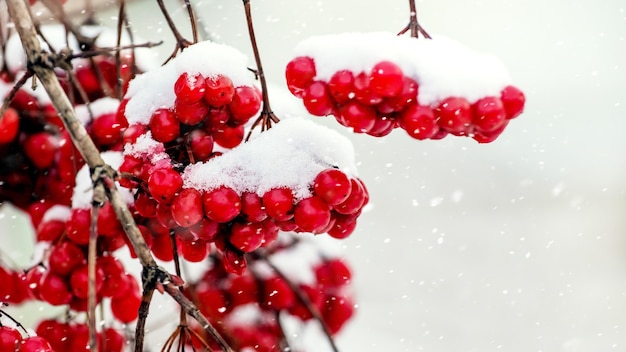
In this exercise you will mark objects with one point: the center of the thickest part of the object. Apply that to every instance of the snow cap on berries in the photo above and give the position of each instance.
(98, 107)
(83, 191)
(441, 66)
(153, 89)
(289, 155)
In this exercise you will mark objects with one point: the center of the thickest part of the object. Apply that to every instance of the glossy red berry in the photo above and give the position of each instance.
(386, 79)
(10, 339)
(64, 257)
(276, 294)
(316, 99)
(419, 122)
(35, 344)
(9, 126)
(108, 129)
(189, 87)
(359, 117)
(191, 113)
(332, 185)
(513, 99)
(341, 86)
(40, 148)
(279, 203)
(79, 226)
(299, 73)
(164, 184)
(229, 137)
(79, 281)
(222, 204)
(355, 200)
(312, 214)
(54, 290)
(245, 104)
(187, 207)
(454, 115)
(164, 125)
(201, 145)
(247, 236)
(489, 114)
(219, 90)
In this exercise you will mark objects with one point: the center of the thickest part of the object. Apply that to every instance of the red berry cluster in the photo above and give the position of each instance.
(384, 98)
(12, 341)
(62, 279)
(75, 337)
(222, 296)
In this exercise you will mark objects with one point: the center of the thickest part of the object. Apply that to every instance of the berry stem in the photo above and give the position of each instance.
(181, 42)
(414, 25)
(17, 323)
(98, 199)
(121, 17)
(192, 19)
(56, 8)
(144, 307)
(9, 98)
(267, 117)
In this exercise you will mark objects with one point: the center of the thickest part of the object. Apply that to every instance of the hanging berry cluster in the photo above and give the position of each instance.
(375, 82)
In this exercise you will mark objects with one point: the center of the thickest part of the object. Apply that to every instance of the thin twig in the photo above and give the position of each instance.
(192, 19)
(56, 9)
(181, 42)
(98, 200)
(267, 117)
(9, 97)
(414, 25)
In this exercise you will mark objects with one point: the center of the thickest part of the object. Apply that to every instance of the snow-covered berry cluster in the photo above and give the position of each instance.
(375, 82)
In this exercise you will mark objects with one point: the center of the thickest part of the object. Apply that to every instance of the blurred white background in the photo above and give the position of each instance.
(518, 245)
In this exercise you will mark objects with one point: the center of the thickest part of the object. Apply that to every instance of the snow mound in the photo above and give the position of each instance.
(155, 89)
(289, 155)
(83, 191)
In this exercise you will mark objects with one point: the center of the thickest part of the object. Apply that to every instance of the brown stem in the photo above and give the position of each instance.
(192, 19)
(17, 323)
(414, 25)
(100, 171)
(98, 200)
(56, 9)
(267, 117)
(121, 17)
(181, 42)
(144, 308)
(9, 98)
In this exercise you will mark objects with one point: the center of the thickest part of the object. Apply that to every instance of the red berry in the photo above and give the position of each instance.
(355, 200)
(357, 116)
(419, 122)
(54, 290)
(113, 270)
(108, 224)
(406, 96)
(454, 115)
(189, 87)
(252, 207)
(35, 344)
(513, 99)
(336, 312)
(333, 273)
(247, 236)
(276, 294)
(164, 183)
(229, 137)
(332, 185)
(55, 332)
(489, 114)
(383, 126)
(191, 113)
(245, 104)
(107, 129)
(145, 205)
(50, 231)
(205, 230)
(201, 145)
(79, 226)
(363, 92)
(312, 214)
(133, 132)
(299, 73)
(219, 90)
(9, 126)
(488, 137)
(386, 79)
(222, 204)
(279, 203)
(343, 227)
(79, 281)
(9, 339)
(41, 148)
(162, 246)
(243, 289)
(211, 302)
(88, 81)
(110, 340)
(193, 251)
(187, 207)
(125, 307)
(341, 86)
(64, 257)
(316, 99)
(164, 125)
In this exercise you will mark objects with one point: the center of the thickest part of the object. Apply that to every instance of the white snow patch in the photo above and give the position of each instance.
(289, 155)
(441, 66)
(99, 107)
(57, 212)
(83, 191)
(155, 89)
(244, 315)
(144, 147)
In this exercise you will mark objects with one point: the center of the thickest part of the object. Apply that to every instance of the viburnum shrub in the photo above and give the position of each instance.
(119, 161)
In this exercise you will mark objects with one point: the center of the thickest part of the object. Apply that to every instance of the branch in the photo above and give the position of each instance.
(99, 169)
